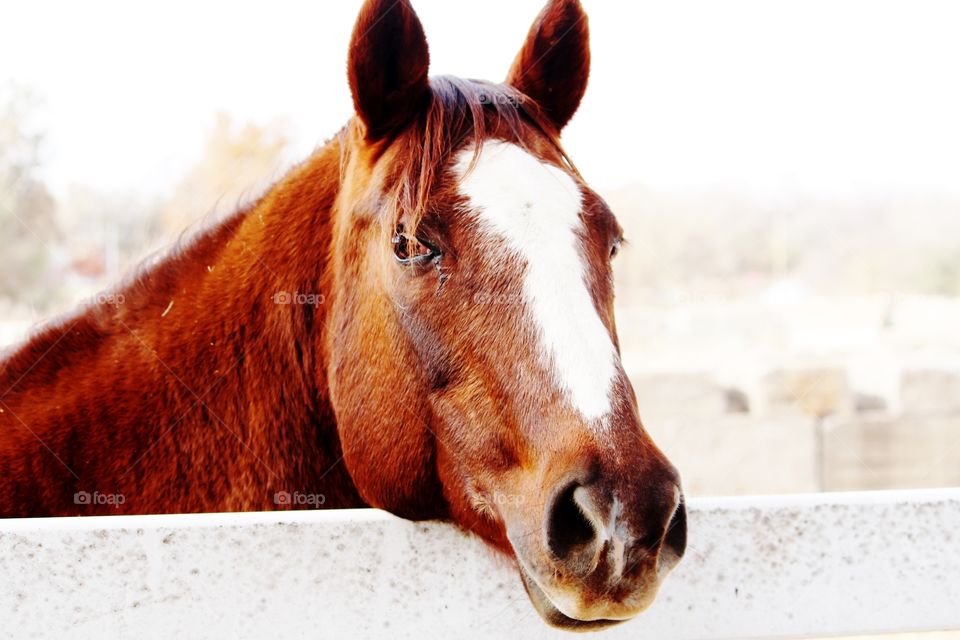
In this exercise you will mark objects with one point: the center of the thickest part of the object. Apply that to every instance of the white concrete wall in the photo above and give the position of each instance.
(756, 568)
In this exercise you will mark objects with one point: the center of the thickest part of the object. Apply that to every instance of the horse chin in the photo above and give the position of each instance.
(551, 614)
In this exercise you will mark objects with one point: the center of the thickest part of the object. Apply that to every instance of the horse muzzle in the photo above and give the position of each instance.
(598, 559)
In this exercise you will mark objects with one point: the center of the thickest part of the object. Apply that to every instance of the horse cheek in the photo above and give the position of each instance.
(382, 421)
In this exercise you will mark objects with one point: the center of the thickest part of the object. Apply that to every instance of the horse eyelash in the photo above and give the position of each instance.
(618, 246)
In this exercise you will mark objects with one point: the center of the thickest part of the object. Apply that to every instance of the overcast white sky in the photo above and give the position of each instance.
(767, 97)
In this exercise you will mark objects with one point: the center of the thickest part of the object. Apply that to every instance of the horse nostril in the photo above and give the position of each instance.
(676, 535)
(567, 528)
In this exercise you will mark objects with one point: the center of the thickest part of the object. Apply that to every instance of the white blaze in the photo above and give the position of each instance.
(534, 207)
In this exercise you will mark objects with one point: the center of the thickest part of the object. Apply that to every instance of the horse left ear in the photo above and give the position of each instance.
(387, 65)
(554, 63)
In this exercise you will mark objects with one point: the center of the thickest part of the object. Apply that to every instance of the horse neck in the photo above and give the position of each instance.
(211, 374)
(277, 268)
(276, 275)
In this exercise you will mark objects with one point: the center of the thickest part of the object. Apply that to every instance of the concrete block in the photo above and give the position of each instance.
(668, 395)
(741, 455)
(891, 453)
(810, 392)
(929, 391)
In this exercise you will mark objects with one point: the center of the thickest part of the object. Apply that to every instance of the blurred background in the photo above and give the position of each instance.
(786, 171)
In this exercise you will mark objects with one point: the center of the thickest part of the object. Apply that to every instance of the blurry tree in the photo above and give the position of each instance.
(58, 254)
(238, 163)
(28, 227)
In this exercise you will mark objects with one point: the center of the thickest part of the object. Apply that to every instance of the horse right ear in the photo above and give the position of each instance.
(554, 63)
(387, 66)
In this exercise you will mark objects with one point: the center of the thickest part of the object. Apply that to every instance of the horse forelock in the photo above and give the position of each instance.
(458, 112)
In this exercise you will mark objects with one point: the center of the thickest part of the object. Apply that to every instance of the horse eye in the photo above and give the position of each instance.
(615, 248)
(412, 250)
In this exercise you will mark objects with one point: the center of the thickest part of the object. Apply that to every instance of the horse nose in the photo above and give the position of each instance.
(587, 531)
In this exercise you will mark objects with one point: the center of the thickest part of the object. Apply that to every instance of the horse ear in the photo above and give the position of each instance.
(554, 63)
(387, 66)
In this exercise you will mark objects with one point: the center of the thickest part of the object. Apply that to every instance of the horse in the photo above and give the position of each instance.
(418, 318)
